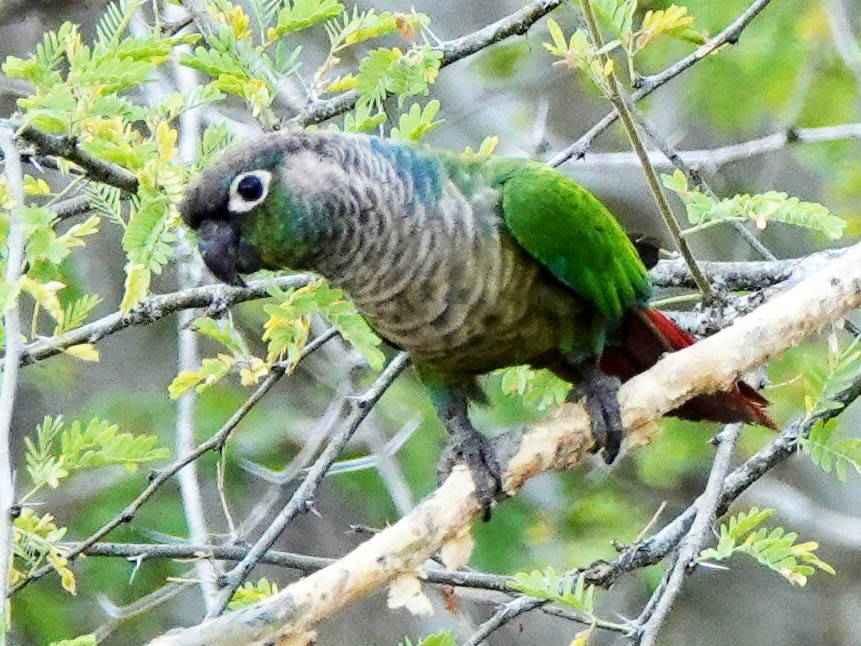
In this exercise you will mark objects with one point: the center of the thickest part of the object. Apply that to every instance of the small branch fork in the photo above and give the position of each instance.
(560, 442)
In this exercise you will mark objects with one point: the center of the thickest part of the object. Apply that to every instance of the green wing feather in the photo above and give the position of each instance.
(571, 233)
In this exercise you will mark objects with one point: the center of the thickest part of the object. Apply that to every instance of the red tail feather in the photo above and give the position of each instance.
(646, 335)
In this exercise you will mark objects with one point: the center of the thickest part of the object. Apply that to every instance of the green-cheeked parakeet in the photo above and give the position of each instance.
(468, 264)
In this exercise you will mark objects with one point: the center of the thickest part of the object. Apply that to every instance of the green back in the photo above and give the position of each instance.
(571, 233)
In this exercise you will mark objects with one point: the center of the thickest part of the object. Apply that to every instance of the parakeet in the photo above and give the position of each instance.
(468, 263)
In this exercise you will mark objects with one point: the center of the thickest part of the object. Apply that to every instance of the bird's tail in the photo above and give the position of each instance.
(646, 335)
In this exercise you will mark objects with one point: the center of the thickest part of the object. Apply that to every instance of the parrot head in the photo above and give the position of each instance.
(221, 204)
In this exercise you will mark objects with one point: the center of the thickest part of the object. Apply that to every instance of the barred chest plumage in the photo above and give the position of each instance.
(429, 262)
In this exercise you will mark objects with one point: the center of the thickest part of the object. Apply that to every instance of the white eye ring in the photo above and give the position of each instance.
(239, 204)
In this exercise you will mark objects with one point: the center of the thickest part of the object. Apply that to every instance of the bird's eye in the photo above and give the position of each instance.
(250, 188)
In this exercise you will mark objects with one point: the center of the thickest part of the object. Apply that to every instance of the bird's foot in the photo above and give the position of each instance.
(475, 450)
(601, 395)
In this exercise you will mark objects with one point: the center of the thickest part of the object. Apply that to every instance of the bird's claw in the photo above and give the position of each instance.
(601, 395)
(476, 451)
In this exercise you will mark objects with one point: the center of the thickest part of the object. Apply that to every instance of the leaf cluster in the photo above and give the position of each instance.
(776, 549)
(773, 206)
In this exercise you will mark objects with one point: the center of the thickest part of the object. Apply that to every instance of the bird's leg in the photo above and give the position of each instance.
(469, 446)
(601, 394)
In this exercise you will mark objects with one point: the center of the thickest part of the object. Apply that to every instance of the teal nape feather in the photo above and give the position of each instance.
(468, 264)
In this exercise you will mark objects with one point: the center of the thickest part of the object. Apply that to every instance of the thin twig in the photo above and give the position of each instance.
(696, 178)
(649, 84)
(216, 298)
(302, 562)
(619, 101)
(97, 168)
(15, 242)
(713, 159)
(658, 608)
(301, 499)
(158, 478)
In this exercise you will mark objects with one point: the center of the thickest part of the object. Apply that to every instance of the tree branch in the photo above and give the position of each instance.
(713, 159)
(158, 478)
(97, 168)
(559, 442)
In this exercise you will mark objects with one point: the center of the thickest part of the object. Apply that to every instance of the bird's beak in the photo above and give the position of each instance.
(224, 252)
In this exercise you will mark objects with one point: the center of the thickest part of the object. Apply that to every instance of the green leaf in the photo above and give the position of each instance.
(288, 326)
(618, 14)
(776, 549)
(250, 593)
(302, 14)
(831, 452)
(210, 372)
(554, 587)
(416, 122)
(772, 206)
(82, 640)
(442, 638)
(115, 20)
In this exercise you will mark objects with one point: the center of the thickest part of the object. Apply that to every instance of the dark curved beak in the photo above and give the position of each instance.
(225, 253)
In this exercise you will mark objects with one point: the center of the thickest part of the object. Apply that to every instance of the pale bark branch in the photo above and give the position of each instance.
(559, 442)
(14, 260)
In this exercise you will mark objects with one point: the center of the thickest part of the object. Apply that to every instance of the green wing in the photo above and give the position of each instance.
(571, 233)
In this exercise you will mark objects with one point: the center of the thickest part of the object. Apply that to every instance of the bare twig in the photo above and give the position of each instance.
(649, 84)
(653, 617)
(620, 102)
(713, 159)
(561, 442)
(15, 242)
(301, 499)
